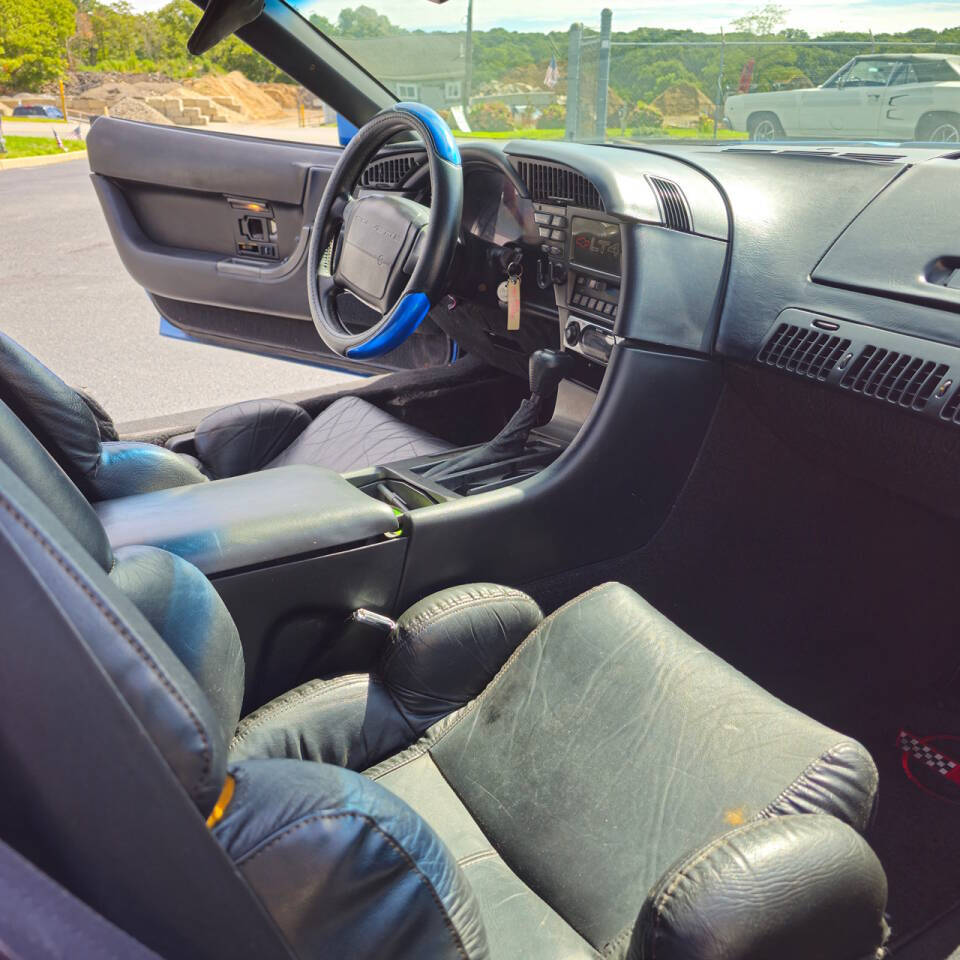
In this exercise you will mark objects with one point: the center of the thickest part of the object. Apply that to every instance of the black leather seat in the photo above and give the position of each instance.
(594, 784)
(242, 438)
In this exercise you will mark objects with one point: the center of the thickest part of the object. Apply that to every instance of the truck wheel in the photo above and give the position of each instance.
(765, 126)
(939, 128)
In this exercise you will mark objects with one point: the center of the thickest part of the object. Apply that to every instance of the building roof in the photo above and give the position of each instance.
(409, 57)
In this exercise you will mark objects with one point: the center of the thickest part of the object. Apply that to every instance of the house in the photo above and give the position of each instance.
(427, 67)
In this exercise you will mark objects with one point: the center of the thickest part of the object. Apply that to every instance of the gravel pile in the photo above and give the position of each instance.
(129, 109)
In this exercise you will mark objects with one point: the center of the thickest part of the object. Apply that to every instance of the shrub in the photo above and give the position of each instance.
(646, 116)
(554, 117)
(491, 117)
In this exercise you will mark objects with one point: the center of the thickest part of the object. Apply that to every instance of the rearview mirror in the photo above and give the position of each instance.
(219, 20)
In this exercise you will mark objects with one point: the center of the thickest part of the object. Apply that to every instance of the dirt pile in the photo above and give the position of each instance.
(77, 82)
(683, 101)
(127, 108)
(286, 94)
(254, 102)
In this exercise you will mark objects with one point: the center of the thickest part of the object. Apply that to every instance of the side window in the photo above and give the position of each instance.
(904, 73)
(869, 73)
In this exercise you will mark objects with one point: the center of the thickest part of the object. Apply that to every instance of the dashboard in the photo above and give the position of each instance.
(815, 261)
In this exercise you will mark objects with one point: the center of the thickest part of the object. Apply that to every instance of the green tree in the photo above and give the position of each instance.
(364, 21)
(33, 41)
(323, 24)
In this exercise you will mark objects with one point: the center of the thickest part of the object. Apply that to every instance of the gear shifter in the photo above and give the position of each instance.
(547, 368)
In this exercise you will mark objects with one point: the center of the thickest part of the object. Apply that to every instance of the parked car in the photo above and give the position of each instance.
(913, 96)
(38, 110)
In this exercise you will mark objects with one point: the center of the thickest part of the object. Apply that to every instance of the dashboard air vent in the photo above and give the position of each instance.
(805, 352)
(389, 171)
(674, 210)
(898, 378)
(555, 183)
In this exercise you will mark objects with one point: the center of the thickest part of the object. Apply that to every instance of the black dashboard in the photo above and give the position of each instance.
(720, 250)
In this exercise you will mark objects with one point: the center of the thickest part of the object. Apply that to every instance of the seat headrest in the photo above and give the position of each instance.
(53, 411)
(29, 461)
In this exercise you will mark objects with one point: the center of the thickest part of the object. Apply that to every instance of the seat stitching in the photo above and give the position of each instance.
(144, 655)
(473, 858)
(683, 871)
(454, 718)
(293, 699)
(397, 846)
(416, 628)
(825, 758)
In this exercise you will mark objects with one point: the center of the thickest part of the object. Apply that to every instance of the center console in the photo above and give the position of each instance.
(584, 255)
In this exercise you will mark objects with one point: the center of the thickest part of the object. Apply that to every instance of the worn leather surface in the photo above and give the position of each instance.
(349, 721)
(252, 519)
(29, 461)
(519, 924)
(351, 433)
(611, 744)
(793, 887)
(345, 868)
(246, 436)
(180, 603)
(447, 647)
(127, 468)
(155, 684)
(442, 653)
(55, 413)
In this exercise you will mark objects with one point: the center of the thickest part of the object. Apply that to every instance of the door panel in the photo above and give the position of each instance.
(192, 214)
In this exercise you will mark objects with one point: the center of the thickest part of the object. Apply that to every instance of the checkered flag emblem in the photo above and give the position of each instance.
(926, 754)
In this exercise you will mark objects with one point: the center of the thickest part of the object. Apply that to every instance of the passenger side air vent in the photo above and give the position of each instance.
(555, 183)
(389, 172)
(674, 209)
(901, 371)
(805, 352)
(899, 378)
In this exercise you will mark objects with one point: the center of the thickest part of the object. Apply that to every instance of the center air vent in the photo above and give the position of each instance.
(899, 378)
(674, 209)
(555, 183)
(388, 172)
(800, 350)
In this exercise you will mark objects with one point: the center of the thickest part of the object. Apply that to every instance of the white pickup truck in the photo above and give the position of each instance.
(879, 96)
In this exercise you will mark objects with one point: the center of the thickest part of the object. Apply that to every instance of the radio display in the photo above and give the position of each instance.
(595, 244)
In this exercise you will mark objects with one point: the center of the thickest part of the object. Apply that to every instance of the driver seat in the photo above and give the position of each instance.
(244, 437)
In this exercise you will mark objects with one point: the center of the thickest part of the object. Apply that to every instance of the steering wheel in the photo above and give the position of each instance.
(390, 252)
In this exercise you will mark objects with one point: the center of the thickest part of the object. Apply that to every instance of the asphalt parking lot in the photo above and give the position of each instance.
(65, 295)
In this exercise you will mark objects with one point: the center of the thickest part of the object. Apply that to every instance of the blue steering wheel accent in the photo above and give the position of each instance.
(407, 315)
(443, 140)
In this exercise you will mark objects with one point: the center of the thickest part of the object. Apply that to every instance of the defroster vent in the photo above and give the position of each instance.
(899, 378)
(674, 209)
(555, 183)
(805, 352)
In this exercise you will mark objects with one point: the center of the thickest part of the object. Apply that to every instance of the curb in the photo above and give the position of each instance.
(41, 161)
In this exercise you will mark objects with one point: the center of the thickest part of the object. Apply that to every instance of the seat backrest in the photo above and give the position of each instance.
(112, 755)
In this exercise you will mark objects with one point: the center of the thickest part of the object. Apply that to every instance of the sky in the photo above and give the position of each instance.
(814, 16)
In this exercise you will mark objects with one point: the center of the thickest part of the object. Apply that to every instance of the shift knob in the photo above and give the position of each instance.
(547, 369)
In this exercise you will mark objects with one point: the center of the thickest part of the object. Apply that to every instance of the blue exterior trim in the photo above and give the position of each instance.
(442, 137)
(406, 316)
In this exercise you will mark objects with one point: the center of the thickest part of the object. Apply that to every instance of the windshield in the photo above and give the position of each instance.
(862, 70)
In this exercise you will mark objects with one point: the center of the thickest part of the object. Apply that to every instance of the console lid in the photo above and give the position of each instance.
(252, 519)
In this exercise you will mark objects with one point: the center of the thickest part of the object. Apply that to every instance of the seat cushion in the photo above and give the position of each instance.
(611, 744)
(351, 434)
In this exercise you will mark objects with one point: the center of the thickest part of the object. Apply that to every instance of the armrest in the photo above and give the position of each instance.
(248, 520)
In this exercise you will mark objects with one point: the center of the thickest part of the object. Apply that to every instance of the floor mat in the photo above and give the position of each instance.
(916, 833)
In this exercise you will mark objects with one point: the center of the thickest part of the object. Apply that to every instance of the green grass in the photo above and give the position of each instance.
(614, 133)
(32, 120)
(37, 147)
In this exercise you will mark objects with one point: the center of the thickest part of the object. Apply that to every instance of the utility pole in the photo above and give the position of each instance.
(603, 71)
(573, 82)
(468, 59)
(718, 106)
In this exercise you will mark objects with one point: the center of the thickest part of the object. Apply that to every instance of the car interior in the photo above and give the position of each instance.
(612, 616)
